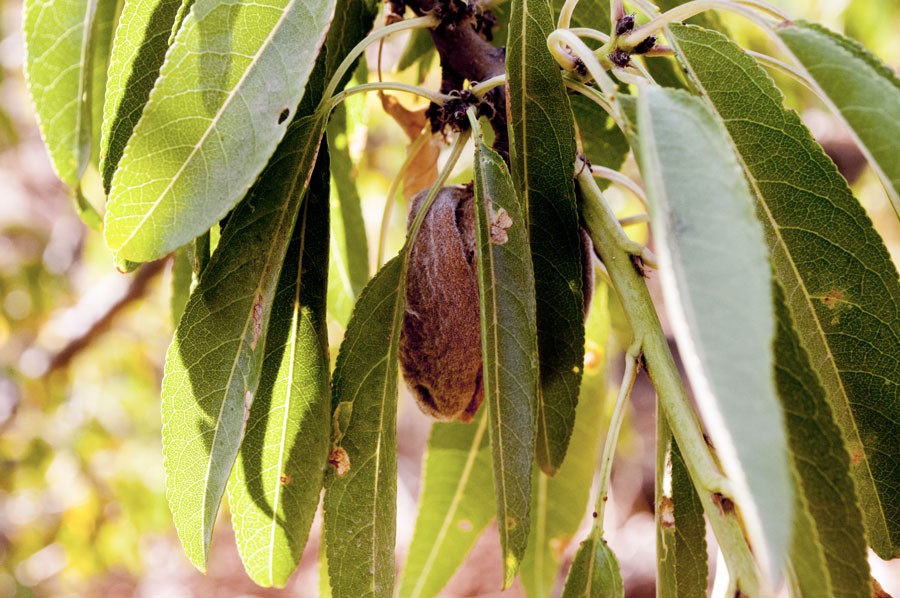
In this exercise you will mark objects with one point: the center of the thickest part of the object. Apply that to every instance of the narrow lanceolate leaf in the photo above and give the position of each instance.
(508, 347)
(182, 277)
(594, 572)
(841, 287)
(213, 365)
(105, 21)
(59, 70)
(861, 88)
(361, 484)
(559, 504)
(141, 41)
(350, 229)
(828, 550)
(233, 76)
(274, 488)
(681, 566)
(717, 284)
(454, 508)
(542, 153)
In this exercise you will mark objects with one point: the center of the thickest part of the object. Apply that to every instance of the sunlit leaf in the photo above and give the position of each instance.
(454, 508)
(842, 289)
(542, 154)
(59, 69)
(508, 347)
(862, 89)
(681, 565)
(559, 504)
(717, 283)
(105, 21)
(594, 572)
(141, 41)
(277, 478)
(828, 550)
(213, 365)
(233, 76)
(361, 484)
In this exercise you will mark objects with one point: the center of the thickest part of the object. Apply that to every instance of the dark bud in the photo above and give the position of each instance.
(620, 57)
(625, 24)
(485, 22)
(453, 12)
(580, 67)
(645, 46)
(452, 114)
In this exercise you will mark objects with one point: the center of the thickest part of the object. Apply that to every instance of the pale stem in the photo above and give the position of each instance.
(597, 98)
(437, 98)
(590, 34)
(455, 153)
(647, 8)
(557, 42)
(690, 9)
(616, 11)
(411, 152)
(417, 23)
(633, 220)
(482, 87)
(620, 179)
(612, 433)
(673, 399)
(630, 78)
(565, 14)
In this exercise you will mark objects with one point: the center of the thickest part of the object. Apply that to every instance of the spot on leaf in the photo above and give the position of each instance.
(832, 299)
(666, 513)
(465, 525)
(283, 116)
(257, 320)
(725, 504)
(340, 460)
(499, 225)
(285, 479)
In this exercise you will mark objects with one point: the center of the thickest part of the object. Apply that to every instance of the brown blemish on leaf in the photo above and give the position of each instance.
(499, 226)
(248, 402)
(832, 299)
(666, 513)
(725, 504)
(257, 320)
(340, 460)
(285, 479)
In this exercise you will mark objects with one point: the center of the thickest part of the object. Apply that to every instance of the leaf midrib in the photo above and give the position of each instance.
(212, 125)
(776, 229)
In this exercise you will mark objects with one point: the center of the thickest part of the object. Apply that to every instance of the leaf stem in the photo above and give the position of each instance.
(620, 179)
(603, 227)
(577, 49)
(482, 87)
(437, 98)
(589, 33)
(378, 34)
(690, 9)
(632, 358)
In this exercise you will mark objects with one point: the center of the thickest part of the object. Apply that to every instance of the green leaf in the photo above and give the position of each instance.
(828, 551)
(508, 347)
(542, 153)
(594, 572)
(182, 277)
(230, 75)
(59, 69)
(141, 41)
(105, 21)
(717, 283)
(213, 365)
(454, 507)
(682, 570)
(350, 229)
(419, 49)
(274, 488)
(559, 504)
(361, 487)
(842, 289)
(859, 87)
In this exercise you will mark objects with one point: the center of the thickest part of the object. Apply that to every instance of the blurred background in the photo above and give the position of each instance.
(82, 505)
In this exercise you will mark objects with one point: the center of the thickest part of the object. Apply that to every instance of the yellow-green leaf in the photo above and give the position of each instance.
(223, 100)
